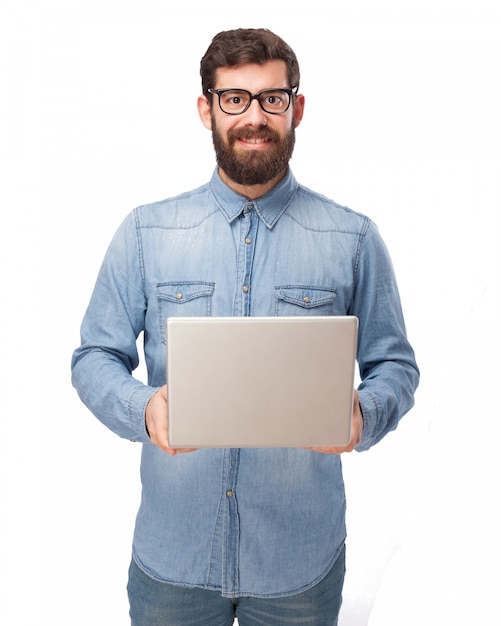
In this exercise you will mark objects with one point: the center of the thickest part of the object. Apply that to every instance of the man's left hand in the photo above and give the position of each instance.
(357, 427)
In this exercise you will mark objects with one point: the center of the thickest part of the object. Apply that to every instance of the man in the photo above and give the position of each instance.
(256, 533)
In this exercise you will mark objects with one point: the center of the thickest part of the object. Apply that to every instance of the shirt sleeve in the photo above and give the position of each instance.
(388, 370)
(103, 364)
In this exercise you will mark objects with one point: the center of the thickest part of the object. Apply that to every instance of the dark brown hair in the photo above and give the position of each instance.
(231, 48)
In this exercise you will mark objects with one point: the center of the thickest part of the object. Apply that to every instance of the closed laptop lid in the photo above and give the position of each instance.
(260, 381)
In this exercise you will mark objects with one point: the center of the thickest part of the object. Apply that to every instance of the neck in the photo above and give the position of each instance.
(251, 192)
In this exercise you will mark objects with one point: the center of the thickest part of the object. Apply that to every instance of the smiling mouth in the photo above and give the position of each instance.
(258, 137)
(254, 140)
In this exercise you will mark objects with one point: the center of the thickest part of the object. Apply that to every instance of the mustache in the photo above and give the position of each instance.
(261, 132)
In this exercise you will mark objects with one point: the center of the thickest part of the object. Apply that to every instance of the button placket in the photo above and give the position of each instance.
(249, 227)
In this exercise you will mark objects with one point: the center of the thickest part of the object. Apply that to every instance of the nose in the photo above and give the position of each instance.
(255, 116)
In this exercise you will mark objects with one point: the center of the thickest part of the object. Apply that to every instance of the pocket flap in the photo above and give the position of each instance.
(181, 292)
(304, 296)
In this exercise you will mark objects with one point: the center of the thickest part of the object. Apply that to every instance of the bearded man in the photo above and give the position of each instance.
(246, 533)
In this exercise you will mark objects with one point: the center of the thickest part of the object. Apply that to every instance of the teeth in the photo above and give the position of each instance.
(256, 141)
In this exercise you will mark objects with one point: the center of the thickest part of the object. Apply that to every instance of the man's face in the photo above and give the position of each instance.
(255, 147)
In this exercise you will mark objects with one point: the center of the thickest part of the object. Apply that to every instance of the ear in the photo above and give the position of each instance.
(298, 110)
(204, 111)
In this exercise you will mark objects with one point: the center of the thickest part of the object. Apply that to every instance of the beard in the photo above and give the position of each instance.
(253, 167)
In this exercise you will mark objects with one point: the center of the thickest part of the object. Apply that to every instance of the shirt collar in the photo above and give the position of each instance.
(269, 207)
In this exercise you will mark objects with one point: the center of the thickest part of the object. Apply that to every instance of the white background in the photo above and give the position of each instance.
(97, 115)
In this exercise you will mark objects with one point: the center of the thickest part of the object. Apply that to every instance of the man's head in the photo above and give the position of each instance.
(249, 82)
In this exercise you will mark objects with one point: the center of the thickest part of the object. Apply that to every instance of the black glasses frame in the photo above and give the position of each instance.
(255, 96)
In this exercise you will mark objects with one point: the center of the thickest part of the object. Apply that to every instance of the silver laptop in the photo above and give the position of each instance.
(236, 382)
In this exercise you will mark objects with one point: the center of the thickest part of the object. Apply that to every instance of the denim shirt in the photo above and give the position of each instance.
(246, 522)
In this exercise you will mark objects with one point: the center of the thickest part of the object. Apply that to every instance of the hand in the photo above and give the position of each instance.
(357, 427)
(156, 422)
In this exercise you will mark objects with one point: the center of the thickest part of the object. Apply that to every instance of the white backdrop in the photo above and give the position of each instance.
(402, 123)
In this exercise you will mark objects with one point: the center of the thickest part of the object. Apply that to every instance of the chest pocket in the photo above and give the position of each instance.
(303, 300)
(183, 299)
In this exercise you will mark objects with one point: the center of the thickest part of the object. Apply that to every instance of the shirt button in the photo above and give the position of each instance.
(245, 289)
(179, 296)
(248, 240)
(306, 300)
(229, 493)
(250, 206)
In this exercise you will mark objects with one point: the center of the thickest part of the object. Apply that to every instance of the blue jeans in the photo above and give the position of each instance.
(153, 603)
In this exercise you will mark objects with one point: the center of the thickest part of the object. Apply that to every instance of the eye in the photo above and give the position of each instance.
(233, 100)
(274, 99)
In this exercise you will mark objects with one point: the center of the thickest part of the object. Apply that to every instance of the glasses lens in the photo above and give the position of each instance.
(234, 101)
(274, 100)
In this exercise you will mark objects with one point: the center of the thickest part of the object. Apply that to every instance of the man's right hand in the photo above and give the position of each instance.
(156, 422)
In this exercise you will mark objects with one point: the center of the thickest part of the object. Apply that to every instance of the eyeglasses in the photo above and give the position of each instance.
(237, 101)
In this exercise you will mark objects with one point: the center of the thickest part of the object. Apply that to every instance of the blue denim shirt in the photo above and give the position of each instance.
(247, 522)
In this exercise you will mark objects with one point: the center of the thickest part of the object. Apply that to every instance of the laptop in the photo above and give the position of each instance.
(239, 382)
